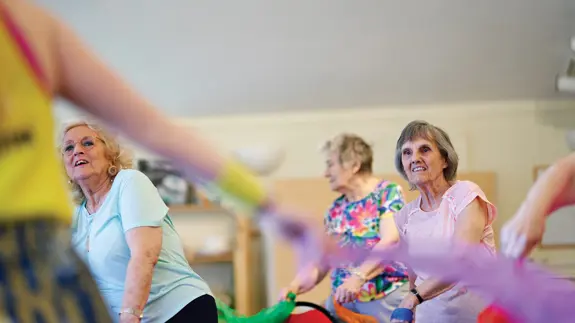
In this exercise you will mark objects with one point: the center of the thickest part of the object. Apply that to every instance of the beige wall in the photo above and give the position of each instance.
(509, 138)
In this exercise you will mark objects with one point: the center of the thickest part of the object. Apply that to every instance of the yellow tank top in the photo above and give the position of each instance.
(32, 185)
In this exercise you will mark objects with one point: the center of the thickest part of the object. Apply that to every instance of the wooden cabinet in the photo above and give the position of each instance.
(241, 257)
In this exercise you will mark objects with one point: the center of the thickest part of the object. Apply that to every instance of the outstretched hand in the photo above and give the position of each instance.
(553, 190)
(521, 234)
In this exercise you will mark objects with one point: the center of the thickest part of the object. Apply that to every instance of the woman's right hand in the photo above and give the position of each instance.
(296, 289)
(287, 290)
(521, 234)
(305, 282)
(554, 189)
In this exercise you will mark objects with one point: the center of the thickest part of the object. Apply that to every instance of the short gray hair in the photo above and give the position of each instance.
(351, 148)
(419, 129)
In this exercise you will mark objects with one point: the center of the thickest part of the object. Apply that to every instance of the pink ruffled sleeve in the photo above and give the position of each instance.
(401, 218)
(466, 192)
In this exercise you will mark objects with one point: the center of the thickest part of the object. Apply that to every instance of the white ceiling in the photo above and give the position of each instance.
(198, 57)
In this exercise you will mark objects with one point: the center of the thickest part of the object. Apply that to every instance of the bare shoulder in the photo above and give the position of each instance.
(32, 16)
(38, 28)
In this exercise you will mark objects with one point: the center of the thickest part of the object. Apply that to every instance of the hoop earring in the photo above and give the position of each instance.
(112, 170)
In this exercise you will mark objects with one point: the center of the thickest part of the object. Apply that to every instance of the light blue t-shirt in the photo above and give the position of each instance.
(133, 201)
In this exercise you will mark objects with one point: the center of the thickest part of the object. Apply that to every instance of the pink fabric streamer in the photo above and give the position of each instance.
(526, 291)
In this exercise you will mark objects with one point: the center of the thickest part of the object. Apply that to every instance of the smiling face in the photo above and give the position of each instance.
(84, 154)
(422, 161)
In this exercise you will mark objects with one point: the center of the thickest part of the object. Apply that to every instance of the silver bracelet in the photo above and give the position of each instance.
(132, 311)
(359, 274)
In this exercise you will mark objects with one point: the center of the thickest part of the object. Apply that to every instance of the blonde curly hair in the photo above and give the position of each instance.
(119, 157)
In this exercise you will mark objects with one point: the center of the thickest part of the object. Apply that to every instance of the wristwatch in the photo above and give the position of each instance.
(132, 311)
(416, 293)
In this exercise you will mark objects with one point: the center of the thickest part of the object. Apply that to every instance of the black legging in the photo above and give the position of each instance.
(202, 309)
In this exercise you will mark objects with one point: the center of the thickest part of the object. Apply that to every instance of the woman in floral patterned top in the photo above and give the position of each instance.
(360, 217)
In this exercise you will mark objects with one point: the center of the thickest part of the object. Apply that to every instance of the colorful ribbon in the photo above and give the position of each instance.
(528, 292)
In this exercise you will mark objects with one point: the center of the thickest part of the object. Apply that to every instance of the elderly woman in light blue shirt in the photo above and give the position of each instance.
(123, 232)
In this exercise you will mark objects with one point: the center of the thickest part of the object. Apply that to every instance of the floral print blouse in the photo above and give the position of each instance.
(356, 223)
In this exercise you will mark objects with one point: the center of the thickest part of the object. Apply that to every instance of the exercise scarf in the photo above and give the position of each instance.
(525, 292)
(278, 313)
(236, 188)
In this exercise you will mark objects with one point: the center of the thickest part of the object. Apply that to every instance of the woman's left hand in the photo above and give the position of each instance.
(349, 290)
(409, 302)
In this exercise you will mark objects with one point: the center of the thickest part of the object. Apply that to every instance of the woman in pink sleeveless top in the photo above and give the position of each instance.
(446, 209)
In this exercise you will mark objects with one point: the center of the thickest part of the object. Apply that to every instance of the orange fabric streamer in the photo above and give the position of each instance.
(352, 317)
